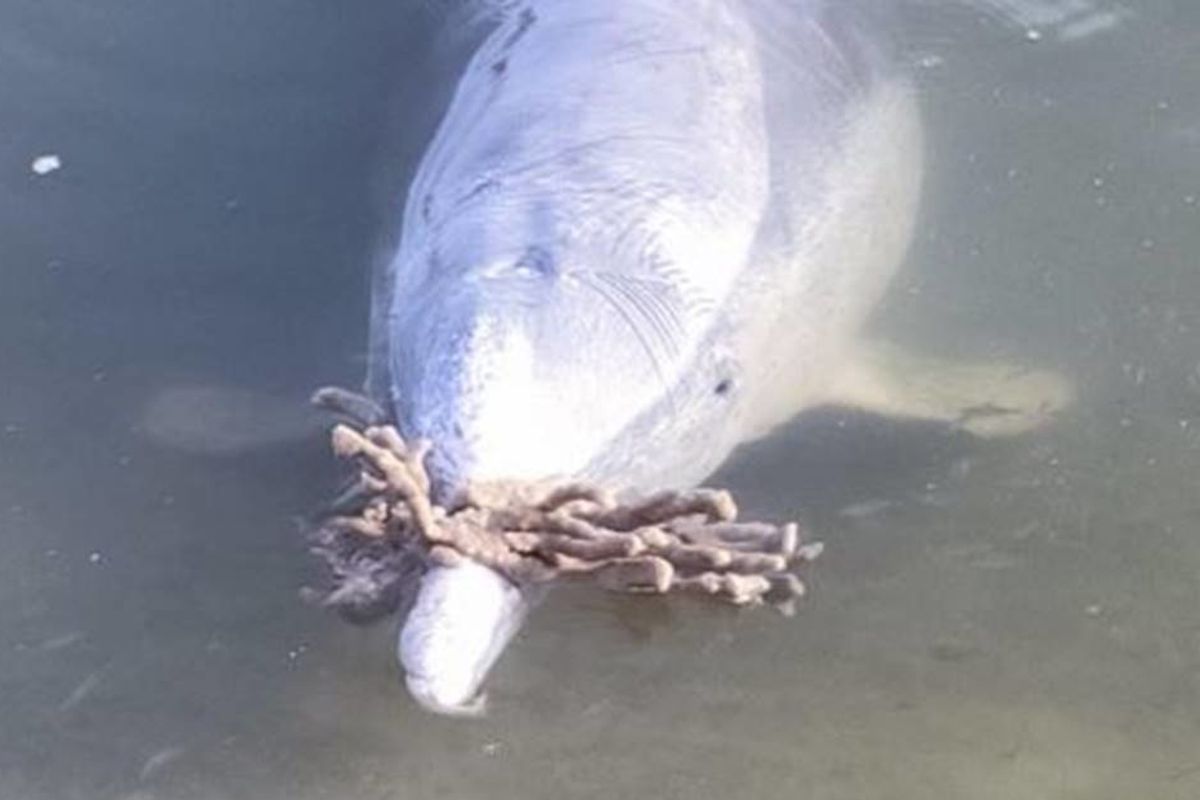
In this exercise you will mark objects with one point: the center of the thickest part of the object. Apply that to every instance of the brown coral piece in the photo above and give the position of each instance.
(537, 533)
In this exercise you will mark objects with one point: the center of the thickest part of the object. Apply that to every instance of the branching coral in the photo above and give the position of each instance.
(536, 533)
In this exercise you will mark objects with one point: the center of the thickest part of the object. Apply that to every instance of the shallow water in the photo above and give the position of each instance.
(1013, 619)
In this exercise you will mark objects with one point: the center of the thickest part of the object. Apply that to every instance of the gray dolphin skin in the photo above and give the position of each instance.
(645, 232)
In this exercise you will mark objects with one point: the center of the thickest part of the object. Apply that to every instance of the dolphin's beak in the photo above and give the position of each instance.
(448, 701)
(463, 618)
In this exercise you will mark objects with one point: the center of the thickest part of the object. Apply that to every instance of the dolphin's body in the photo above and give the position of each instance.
(646, 231)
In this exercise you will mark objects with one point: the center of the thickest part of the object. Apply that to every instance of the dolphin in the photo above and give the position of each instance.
(646, 232)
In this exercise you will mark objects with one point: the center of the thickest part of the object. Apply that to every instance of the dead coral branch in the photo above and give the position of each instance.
(537, 533)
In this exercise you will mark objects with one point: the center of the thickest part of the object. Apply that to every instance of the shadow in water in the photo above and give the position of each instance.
(837, 461)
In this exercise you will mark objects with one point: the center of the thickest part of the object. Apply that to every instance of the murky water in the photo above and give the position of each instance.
(1016, 619)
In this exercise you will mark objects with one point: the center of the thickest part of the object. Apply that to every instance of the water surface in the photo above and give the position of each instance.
(991, 620)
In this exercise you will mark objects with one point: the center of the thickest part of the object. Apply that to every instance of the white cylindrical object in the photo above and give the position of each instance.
(463, 618)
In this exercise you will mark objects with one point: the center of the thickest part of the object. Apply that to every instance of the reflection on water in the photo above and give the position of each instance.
(1006, 620)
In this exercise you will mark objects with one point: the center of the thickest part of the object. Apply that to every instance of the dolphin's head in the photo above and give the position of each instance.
(530, 370)
(526, 370)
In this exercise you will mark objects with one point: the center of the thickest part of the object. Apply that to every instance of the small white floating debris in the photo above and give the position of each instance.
(159, 761)
(930, 61)
(80, 692)
(94, 558)
(865, 509)
(1090, 26)
(59, 642)
(45, 164)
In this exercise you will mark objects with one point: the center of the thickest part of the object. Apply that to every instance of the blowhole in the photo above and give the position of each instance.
(724, 387)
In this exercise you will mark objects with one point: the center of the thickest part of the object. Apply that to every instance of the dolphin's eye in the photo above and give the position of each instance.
(724, 387)
(535, 261)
